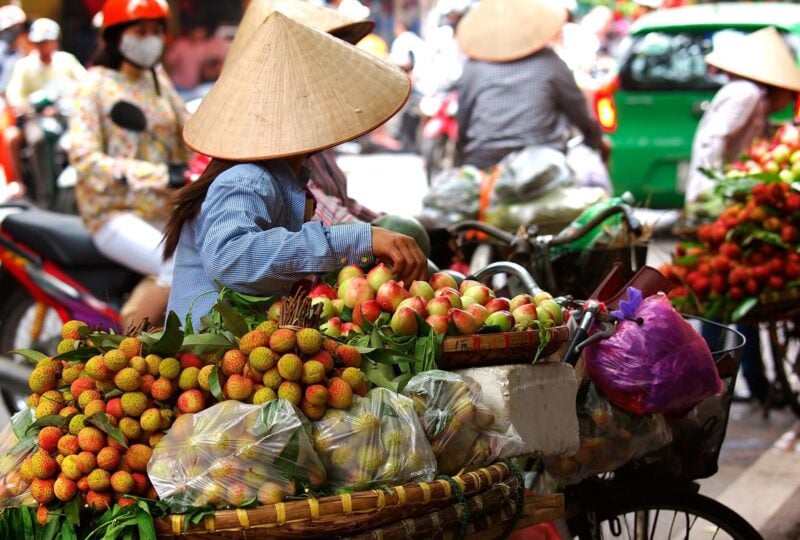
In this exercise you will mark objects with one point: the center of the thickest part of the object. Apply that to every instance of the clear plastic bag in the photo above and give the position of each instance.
(560, 205)
(454, 195)
(659, 366)
(377, 442)
(233, 454)
(609, 438)
(530, 173)
(462, 431)
(14, 489)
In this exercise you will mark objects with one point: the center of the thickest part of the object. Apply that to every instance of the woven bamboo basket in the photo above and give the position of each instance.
(443, 505)
(498, 349)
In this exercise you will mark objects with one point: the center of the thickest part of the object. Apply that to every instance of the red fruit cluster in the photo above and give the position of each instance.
(751, 247)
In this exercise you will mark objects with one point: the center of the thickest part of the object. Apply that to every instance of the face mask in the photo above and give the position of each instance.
(143, 52)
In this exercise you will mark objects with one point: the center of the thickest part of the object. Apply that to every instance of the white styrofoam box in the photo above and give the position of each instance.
(538, 399)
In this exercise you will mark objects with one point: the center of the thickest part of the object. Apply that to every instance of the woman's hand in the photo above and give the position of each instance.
(401, 252)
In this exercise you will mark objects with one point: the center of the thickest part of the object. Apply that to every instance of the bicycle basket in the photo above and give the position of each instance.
(698, 436)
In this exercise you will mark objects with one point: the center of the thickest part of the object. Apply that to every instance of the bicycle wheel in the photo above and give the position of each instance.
(784, 337)
(647, 515)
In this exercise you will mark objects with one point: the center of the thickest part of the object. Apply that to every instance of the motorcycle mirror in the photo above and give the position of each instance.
(128, 116)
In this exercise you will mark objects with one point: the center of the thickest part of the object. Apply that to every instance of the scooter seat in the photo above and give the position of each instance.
(59, 238)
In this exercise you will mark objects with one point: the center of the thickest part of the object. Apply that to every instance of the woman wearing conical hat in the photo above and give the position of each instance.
(291, 92)
(764, 78)
(514, 90)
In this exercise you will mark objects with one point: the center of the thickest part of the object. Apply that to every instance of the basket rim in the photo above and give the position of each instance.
(338, 506)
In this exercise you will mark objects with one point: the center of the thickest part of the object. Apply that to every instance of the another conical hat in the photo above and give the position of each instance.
(318, 17)
(293, 90)
(761, 56)
(507, 30)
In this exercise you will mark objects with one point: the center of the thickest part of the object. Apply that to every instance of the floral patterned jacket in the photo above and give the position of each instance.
(120, 170)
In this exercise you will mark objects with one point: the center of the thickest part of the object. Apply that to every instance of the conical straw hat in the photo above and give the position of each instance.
(293, 90)
(507, 30)
(761, 56)
(318, 17)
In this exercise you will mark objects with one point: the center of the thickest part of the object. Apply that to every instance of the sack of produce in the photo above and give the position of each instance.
(233, 454)
(378, 441)
(655, 362)
(454, 196)
(462, 431)
(16, 471)
(560, 205)
(609, 438)
(530, 173)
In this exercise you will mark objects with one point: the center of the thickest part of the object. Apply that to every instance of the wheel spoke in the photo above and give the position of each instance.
(655, 523)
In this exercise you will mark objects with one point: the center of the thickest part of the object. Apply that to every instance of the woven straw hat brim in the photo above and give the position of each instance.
(507, 30)
(293, 90)
(761, 56)
(318, 17)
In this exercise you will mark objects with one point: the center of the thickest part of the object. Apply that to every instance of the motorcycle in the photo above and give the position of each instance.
(439, 132)
(51, 272)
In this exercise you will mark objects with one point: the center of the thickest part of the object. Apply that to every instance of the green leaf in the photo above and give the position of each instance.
(72, 509)
(687, 260)
(104, 340)
(30, 354)
(203, 343)
(386, 356)
(49, 420)
(100, 420)
(286, 462)
(28, 524)
(213, 384)
(744, 308)
(22, 421)
(402, 380)
(68, 530)
(232, 320)
(52, 527)
(172, 338)
(490, 329)
(347, 314)
(768, 237)
(25, 443)
(81, 353)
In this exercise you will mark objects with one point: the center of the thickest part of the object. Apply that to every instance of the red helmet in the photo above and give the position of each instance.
(124, 11)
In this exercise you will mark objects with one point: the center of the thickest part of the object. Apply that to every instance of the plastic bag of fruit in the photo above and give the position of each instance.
(233, 454)
(609, 438)
(462, 431)
(378, 441)
(654, 362)
(14, 488)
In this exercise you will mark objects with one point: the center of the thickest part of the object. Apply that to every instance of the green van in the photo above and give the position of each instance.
(651, 110)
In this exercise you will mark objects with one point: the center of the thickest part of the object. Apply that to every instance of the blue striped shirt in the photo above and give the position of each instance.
(250, 237)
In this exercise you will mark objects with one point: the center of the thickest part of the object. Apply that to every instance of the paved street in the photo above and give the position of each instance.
(759, 474)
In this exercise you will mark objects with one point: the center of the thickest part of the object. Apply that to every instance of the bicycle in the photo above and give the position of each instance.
(632, 501)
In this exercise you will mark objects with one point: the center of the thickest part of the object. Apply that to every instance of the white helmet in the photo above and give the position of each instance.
(44, 30)
(11, 16)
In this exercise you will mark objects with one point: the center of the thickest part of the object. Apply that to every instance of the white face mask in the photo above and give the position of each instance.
(144, 52)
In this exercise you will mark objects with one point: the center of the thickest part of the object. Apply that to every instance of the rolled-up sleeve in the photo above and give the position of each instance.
(572, 103)
(245, 249)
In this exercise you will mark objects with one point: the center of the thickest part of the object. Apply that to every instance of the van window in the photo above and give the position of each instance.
(660, 61)
(666, 61)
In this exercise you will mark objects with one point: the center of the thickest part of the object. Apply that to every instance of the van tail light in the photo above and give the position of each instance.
(605, 109)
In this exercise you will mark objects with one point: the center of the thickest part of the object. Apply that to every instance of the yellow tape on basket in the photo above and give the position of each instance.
(177, 524)
(347, 503)
(313, 508)
(211, 525)
(381, 502)
(244, 519)
(280, 513)
(401, 495)
(426, 492)
(446, 487)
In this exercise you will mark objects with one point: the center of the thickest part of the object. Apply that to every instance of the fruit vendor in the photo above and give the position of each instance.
(515, 91)
(763, 79)
(243, 224)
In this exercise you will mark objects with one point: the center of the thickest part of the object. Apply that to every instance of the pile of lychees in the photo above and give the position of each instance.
(109, 411)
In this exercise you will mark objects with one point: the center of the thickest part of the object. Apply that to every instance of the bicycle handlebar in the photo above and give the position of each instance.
(508, 267)
(522, 244)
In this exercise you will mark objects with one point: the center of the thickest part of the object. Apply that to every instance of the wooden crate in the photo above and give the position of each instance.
(498, 349)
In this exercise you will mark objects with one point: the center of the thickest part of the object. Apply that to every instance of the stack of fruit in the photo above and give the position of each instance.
(235, 454)
(778, 155)
(462, 431)
(749, 249)
(447, 306)
(609, 438)
(377, 442)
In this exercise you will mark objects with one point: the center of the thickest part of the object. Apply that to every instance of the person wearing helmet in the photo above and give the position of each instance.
(125, 179)
(45, 68)
(245, 223)
(14, 42)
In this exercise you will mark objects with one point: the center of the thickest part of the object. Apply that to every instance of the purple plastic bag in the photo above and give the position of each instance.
(660, 366)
